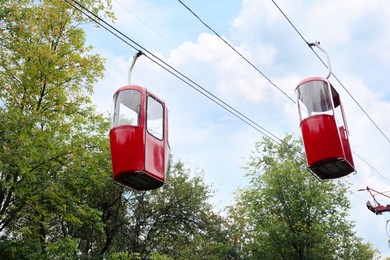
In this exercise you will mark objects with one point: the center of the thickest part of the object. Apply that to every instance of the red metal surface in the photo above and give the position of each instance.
(154, 157)
(324, 149)
(321, 139)
(127, 150)
(166, 141)
(346, 146)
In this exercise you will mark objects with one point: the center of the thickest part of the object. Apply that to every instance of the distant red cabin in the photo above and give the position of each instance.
(139, 138)
(324, 129)
(378, 209)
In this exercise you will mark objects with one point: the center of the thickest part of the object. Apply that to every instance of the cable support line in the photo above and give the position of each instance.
(147, 25)
(95, 18)
(372, 167)
(357, 188)
(236, 51)
(289, 21)
(218, 101)
(163, 37)
(309, 45)
(364, 111)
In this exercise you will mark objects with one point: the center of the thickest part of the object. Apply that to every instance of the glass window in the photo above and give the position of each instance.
(127, 105)
(154, 118)
(339, 113)
(314, 98)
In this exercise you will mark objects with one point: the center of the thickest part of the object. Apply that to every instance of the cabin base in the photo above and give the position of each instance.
(139, 180)
(331, 169)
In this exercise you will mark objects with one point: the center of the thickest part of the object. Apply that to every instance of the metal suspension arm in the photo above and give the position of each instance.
(135, 57)
(317, 44)
(377, 192)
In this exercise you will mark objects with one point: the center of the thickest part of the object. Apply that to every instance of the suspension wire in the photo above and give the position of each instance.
(376, 193)
(95, 18)
(289, 21)
(236, 51)
(357, 188)
(142, 21)
(302, 155)
(163, 37)
(364, 111)
(372, 167)
(337, 79)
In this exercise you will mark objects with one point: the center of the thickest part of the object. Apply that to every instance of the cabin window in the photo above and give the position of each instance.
(154, 117)
(127, 105)
(314, 99)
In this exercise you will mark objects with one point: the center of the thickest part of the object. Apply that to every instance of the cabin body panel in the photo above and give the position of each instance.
(127, 149)
(321, 139)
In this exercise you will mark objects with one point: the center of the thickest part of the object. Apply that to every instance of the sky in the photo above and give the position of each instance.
(204, 136)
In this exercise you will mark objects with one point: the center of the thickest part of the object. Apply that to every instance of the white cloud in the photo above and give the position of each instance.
(337, 20)
(255, 15)
(218, 64)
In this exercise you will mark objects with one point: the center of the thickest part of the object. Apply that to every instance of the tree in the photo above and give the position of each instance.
(53, 144)
(57, 199)
(286, 213)
(174, 221)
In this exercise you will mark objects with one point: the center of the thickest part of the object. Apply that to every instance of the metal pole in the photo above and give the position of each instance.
(317, 43)
(135, 57)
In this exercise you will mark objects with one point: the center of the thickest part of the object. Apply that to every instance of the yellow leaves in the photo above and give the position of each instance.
(46, 49)
(300, 227)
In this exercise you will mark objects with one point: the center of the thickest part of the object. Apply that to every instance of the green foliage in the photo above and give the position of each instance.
(364, 251)
(175, 221)
(124, 256)
(54, 147)
(157, 256)
(286, 213)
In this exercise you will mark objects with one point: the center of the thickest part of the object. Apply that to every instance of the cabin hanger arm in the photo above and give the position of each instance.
(135, 57)
(317, 44)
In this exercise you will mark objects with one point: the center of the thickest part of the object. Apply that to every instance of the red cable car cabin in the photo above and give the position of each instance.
(324, 129)
(139, 138)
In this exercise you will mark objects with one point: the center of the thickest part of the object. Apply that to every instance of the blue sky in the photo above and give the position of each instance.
(355, 33)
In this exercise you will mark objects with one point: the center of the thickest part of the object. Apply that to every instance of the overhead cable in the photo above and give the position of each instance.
(117, 33)
(236, 51)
